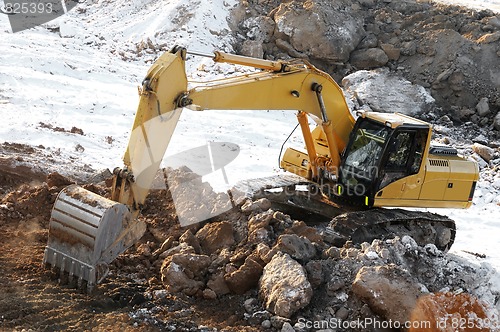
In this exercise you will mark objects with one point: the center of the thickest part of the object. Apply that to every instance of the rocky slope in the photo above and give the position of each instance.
(454, 52)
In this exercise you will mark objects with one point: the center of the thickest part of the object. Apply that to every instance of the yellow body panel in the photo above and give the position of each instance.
(420, 203)
(444, 182)
(297, 162)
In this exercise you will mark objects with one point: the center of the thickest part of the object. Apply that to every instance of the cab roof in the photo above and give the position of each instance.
(393, 120)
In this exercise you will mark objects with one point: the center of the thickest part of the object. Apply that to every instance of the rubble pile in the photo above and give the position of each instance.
(287, 272)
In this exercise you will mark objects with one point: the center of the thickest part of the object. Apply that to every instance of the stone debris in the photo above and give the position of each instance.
(284, 287)
(389, 290)
(296, 274)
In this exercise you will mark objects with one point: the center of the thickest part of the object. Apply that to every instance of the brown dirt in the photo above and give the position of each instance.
(132, 296)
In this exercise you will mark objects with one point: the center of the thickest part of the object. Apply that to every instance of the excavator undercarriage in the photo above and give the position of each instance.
(341, 222)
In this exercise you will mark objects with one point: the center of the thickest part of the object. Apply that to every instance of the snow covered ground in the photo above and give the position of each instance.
(71, 72)
(477, 4)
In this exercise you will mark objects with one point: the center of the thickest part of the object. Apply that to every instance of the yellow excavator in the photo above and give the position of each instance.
(376, 160)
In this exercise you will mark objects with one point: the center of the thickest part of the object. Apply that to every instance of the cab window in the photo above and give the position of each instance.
(404, 155)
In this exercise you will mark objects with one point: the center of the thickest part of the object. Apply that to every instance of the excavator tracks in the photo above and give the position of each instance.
(365, 226)
(341, 222)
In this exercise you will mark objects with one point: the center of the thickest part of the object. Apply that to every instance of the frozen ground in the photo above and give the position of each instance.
(72, 73)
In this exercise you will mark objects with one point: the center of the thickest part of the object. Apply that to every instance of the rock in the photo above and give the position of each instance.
(481, 139)
(489, 38)
(332, 252)
(371, 255)
(287, 327)
(484, 151)
(167, 244)
(299, 248)
(246, 277)
(288, 48)
(342, 313)
(409, 48)
(175, 280)
(284, 287)
(209, 294)
(262, 251)
(334, 285)
(260, 29)
(315, 273)
(252, 48)
(184, 272)
(191, 240)
(57, 180)
(368, 58)
(195, 200)
(480, 161)
(389, 291)
(181, 248)
(218, 284)
(301, 229)
(250, 304)
(215, 236)
(440, 309)
(463, 114)
(193, 264)
(496, 121)
(369, 41)
(483, 108)
(494, 21)
(266, 324)
(278, 321)
(258, 227)
(262, 204)
(385, 92)
(393, 53)
(332, 42)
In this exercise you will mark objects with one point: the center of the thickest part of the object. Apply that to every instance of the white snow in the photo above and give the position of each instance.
(476, 4)
(78, 77)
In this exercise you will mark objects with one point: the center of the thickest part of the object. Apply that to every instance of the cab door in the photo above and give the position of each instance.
(400, 174)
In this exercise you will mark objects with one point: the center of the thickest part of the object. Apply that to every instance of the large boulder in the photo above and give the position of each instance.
(382, 91)
(284, 287)
(389, 291)
(303, 25)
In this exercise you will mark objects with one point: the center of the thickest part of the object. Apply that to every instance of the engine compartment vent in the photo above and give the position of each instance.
(439, 162)
(443, 150)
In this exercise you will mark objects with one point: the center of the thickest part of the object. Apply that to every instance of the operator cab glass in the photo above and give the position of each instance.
(378, 155)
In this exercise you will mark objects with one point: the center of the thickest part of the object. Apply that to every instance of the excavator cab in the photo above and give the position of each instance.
(389, 161)
(378, 155)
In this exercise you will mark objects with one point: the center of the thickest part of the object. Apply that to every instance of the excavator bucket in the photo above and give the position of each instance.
(86, 233)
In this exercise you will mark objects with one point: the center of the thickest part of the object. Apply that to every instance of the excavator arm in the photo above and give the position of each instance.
(87, 231)
(294, 86)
